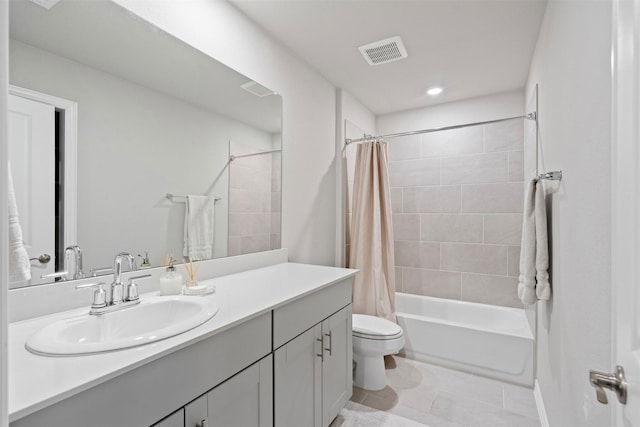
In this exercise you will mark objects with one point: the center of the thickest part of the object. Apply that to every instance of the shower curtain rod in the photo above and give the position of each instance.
(233, 156)
(530, 116)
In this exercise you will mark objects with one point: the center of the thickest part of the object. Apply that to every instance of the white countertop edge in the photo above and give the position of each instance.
(167, 346)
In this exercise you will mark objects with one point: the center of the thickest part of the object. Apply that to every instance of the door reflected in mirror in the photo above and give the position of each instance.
(154, 116)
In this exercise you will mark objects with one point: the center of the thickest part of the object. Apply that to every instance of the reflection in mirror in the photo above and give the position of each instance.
(154, 117)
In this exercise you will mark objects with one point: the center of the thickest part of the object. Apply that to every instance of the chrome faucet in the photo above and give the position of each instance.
(121, 296)
(75, 249)
(119, 293)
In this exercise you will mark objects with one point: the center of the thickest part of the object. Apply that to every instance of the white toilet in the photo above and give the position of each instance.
(373, 338)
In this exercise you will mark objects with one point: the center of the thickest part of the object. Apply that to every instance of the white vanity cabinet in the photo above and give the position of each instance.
(174, 420)
(146, 394)
(313, 358)
(244, 400)
(278, 353)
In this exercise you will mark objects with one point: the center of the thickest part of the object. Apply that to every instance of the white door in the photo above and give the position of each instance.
(32, 155)
(626, 208)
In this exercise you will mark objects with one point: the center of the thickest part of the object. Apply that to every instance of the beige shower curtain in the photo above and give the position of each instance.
(372, 234)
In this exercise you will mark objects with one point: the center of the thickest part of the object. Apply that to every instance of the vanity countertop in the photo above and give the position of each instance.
(36, 382)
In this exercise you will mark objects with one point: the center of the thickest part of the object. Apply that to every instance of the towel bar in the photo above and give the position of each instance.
(552, 176)
(173, 196)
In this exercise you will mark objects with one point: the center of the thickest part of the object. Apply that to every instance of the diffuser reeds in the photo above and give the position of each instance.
(191, 269)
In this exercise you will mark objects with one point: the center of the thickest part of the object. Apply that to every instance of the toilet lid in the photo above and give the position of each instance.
(374, 327)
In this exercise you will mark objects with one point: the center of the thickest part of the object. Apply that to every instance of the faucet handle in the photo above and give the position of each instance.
(99, 296)
(132, 287)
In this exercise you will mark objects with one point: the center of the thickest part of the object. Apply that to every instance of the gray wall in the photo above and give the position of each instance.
(457, 212)
(572, 66)
(457, 199)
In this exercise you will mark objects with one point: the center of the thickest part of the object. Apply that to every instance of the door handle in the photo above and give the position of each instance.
(330, 349)
(615, 382)
(321, 341)
(42, 259)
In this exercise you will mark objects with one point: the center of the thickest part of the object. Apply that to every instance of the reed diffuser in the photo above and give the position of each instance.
(192, 269)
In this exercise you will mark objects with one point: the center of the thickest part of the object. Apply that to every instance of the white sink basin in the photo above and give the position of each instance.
(154, 319)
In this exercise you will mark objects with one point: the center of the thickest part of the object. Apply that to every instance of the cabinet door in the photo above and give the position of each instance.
(245, 400)
(337, 379)
(196, 412)
(298, 376)
(174, 420)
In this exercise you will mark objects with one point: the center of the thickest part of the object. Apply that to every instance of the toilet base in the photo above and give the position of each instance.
(369, 372)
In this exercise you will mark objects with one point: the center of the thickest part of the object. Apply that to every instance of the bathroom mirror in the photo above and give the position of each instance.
(154, 117)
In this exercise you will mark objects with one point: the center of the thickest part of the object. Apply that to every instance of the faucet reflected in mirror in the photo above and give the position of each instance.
(166, 115)
(78, 273)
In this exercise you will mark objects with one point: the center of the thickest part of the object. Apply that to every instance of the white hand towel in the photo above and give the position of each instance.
(199, 228)
(19, 265)
(533, 282)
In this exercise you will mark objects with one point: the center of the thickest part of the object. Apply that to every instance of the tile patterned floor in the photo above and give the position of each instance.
(440, 397)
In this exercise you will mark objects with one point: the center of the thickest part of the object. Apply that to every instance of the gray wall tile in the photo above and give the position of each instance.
(441, 199)
(504, 136)
(475, 258)
(406, 227)
(417, 254)
(475, 169)
(433, 283)
(453, 142)
(405, 148)
(414, 173)
(451, 228)
(486, 289)
(503, 229)
(516, 166)
(493, 198)
(396, 200)
(399, 279)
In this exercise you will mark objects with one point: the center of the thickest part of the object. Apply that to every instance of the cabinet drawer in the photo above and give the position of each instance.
(296, 317)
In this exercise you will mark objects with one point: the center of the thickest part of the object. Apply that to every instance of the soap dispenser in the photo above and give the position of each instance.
(170, 280)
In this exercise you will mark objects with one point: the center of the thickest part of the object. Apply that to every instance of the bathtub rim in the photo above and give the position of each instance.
(526, 333)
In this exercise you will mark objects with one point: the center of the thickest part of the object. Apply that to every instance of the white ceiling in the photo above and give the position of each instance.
(471, 48)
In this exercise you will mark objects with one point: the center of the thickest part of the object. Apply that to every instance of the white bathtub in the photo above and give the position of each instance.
(488, 340)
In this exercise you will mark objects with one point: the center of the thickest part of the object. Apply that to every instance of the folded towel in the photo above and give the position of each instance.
(533, 282)
(19, 265)
(199, 228)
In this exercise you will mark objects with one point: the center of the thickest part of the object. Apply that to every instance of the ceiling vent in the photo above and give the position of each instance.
(257, 89)
(47, 4)
(384, 51)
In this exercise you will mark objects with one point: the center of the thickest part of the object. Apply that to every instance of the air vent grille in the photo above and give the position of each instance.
(47, 4)
(257, 89)
(384, 51)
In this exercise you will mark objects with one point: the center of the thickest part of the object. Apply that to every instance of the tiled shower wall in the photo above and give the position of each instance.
(457, 212)
(254, 201)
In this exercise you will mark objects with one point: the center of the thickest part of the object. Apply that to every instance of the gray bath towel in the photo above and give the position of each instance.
(533, 283)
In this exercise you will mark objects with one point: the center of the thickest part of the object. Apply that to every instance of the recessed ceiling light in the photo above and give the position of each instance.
(434, 91)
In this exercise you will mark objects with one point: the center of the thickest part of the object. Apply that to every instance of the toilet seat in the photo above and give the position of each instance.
(374, 328)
